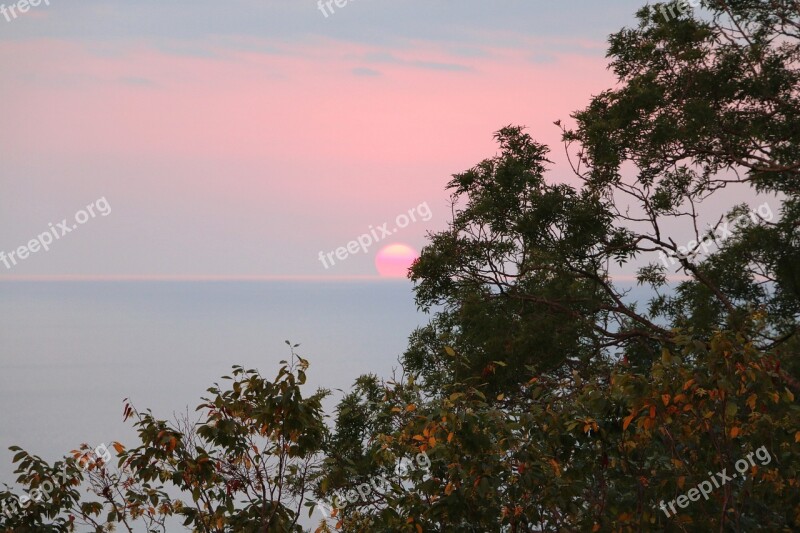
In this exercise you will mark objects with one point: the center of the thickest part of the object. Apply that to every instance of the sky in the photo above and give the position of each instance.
(244, 139)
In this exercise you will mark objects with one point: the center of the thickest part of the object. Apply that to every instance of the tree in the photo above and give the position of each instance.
(549, 399)
(247, 465)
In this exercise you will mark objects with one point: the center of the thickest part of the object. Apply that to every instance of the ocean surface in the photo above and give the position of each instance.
(70, 352)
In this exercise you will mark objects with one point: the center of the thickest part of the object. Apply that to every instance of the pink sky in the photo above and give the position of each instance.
(252, 155)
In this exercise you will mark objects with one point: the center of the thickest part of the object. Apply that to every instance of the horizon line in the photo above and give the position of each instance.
(191, 277)
(229, 278)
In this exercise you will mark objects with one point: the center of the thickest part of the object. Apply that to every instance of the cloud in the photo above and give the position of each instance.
(543, 59)
(132, 80)
(389, 58)
(361, 71)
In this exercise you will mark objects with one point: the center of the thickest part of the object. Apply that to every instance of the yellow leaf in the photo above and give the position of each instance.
(432, 442)
(411, 407)
(797, 437)
(451, 352)
(665, 399)
(500, 396)
(118, 447)
(751, 401)
(450, 437)
(448, 489)
(735, 432)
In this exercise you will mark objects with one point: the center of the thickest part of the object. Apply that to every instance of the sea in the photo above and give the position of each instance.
(72, 352)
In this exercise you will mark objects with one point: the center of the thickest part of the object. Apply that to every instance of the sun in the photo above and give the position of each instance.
(394, 260)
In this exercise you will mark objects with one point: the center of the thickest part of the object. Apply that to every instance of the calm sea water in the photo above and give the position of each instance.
(72, 351)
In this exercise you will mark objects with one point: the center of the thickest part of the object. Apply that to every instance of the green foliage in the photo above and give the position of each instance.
(246, 465)
(549, 400)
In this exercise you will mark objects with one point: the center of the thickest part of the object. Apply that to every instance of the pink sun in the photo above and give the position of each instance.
(394, 260)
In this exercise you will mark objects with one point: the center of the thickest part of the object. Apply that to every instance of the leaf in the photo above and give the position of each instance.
(751, 401)
(665, 399)
(735, 432)
(627, 421)
(451, 435)
(411, 407)
(731, 409)
(797, 437)
(556, 467)
(118, 447)
(449, 351)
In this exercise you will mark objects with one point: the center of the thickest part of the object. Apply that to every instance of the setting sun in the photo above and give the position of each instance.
(394, 260)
